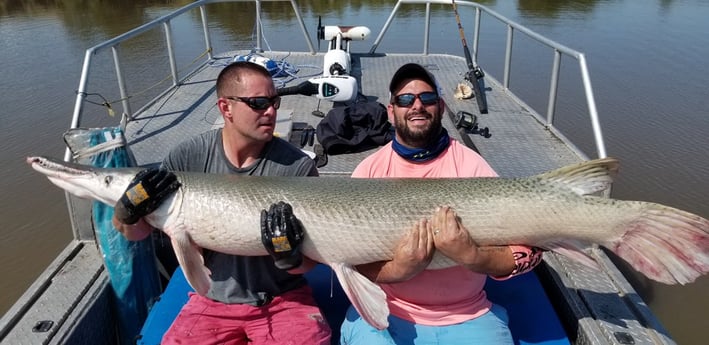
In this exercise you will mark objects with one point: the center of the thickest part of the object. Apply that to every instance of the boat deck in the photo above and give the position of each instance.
(177, 116)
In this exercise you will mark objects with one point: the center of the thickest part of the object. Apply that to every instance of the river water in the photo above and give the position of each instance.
(647, 61)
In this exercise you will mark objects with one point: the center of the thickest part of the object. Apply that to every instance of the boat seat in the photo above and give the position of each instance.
(532, 317)
(165, 309)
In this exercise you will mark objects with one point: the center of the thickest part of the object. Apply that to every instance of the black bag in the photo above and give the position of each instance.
(358, 127)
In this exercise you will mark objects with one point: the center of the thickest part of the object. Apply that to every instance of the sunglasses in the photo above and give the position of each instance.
(258, 103)
(408, 99)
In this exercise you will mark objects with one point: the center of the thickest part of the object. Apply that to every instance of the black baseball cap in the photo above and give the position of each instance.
(412, 71)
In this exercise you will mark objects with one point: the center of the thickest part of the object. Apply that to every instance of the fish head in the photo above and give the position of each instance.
(84, 181)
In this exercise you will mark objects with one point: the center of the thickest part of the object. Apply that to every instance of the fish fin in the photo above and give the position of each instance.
(366, 296)
(189, 255)
(665, 244)
(584, 178)
(573, 249)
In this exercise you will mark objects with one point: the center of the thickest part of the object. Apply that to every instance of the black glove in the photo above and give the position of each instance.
(282, 235)
(144, 194)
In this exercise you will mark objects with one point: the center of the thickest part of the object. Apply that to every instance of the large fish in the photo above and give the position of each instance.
(354, 221)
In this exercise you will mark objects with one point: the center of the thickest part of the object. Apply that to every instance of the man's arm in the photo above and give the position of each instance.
(454, 241)
(307, 265)
(133, 232)
(496, 261)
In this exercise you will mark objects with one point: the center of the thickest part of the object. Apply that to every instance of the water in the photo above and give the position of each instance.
(647, 61)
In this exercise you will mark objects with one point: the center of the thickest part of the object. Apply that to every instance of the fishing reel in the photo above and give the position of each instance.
(469, 122)
(337, 59)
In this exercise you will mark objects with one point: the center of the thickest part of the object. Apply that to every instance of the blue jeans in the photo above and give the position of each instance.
(489, 328)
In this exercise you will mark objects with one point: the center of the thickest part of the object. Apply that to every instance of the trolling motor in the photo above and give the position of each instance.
(337, 59)
(336, 84)
(335, 88)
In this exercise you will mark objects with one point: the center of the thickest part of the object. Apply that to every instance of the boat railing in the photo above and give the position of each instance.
(166, 22)
(162, 29)
(512, 27)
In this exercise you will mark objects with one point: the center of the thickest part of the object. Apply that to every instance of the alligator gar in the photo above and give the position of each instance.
(348, 221)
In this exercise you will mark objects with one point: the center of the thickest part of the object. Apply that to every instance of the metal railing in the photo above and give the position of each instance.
(558, 48)
(166, 22)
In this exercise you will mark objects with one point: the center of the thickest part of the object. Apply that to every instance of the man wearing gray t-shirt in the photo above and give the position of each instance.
(250, 299)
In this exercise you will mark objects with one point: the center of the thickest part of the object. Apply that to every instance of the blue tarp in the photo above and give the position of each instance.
(131, 266)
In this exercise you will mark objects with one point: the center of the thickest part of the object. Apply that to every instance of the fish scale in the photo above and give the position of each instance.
(363, 219)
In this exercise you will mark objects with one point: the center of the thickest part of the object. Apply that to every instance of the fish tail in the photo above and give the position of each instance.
(666, 244)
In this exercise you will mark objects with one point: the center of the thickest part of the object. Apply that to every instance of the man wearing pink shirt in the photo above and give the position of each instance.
(447, 306)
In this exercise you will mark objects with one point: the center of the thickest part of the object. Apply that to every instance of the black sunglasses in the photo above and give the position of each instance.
(408, 99)
(258, 103)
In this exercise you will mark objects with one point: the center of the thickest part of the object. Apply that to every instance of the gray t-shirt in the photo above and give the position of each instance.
(242, 279)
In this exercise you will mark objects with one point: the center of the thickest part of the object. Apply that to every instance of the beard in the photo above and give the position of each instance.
(418, 137)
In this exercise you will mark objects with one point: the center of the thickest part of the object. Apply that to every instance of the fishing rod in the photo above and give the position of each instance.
(475, 74)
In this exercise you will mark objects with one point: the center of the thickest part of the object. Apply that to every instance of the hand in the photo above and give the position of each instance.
(454, 241)
(144, 194)
(282, 235)
(414, 251)
(452, 238)
(412, 255)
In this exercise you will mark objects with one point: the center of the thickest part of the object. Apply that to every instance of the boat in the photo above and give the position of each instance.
(72, 301)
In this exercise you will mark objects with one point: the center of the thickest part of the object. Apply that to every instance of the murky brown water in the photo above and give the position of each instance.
(647, 61)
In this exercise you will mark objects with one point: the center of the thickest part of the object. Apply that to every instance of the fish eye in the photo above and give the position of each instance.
(107, 180)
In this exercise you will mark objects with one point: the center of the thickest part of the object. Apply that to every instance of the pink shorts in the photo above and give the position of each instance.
(292, 318)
